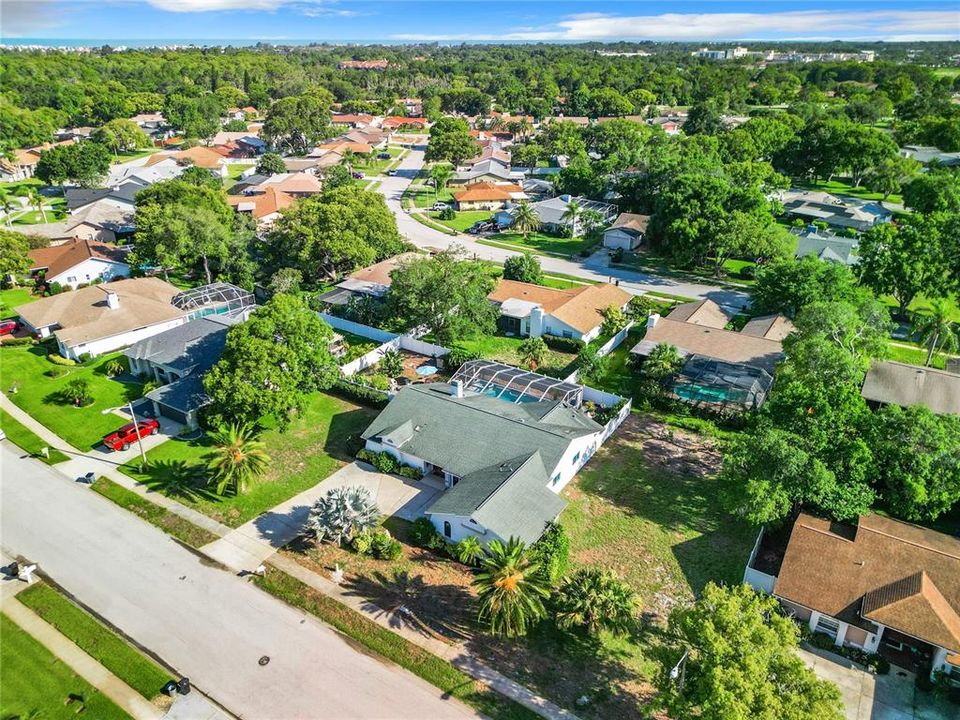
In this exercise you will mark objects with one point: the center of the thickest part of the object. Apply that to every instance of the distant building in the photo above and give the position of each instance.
(627, 231)
(827, 247)
(812, 205)
(895, 383)
(363, 65)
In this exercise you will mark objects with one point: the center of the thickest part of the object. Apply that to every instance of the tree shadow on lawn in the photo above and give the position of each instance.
(180, 480)
(343, 439)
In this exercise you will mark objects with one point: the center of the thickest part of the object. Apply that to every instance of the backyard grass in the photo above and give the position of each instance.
(40, 396)
(35, 684)
(174, 525)
(96, 640)
(921, 305)
(541, 244)
(913, 355)
(464, 220)
(234, 171)
(27, 440)
(506, 350)
(135, 154)
(14, 297)
(319, 442)
(838, 187)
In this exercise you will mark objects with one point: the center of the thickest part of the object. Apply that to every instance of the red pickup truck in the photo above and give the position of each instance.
(122, 438)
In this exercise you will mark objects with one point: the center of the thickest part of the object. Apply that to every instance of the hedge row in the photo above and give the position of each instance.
(361, 393)
(569, 345)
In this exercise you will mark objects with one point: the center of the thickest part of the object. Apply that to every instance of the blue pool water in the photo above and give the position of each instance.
(507, 395)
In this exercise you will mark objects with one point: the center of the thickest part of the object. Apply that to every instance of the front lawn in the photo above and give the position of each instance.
(40, 396)
(541, 244)
(13, 298)
(464, 220)
(316, 444)
(424, 196)
(35, 684)
(96, 640)
(372, 165)
(913, 355)
(27, 440)
(506, 350)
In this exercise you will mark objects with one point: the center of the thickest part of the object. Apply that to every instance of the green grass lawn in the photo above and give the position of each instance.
(27, 440)
(541, 244)
(96, 640)
(838, 187)
(234, 171)
(423, 219)
(505, 349)
(17, 187)
(315, 445)
(464, 220)
(921, 305)
(14, 297)
(374, 166)
(39, 395)
(618, 376)
(913, 356)
(35, 684)
(135, 154)
(425, 197)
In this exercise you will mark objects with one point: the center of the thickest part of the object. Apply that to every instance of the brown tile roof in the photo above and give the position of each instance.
(200, 156)
(900, 575)
(703, 312)
(343, 146)
(83, 315)
(577, 307)
(481, 191)
(711, 341)
(379, 273)
(60, 258)
(264, 203)
(395, 121)
(894, 383)
(490, 153)
(631, 221)
(301, 183)
(347, 119)
(772, 327)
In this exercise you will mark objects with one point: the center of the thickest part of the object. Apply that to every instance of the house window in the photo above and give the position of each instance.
(71, 279)
(567, 334)
(447, 530)
(828, 626)
(575, 458)
(555, 479)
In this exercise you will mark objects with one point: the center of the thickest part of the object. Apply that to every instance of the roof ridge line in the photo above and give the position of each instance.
(505, 480)
(908, 542)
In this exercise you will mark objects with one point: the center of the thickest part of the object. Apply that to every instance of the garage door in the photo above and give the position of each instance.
(173, 413)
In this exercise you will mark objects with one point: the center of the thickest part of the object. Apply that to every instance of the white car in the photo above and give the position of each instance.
(440, 206)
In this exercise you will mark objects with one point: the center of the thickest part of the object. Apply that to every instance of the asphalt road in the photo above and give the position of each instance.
(594, 268)
(206, 622)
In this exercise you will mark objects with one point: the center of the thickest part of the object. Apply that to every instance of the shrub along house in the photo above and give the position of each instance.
(882, 586)
(504, 442)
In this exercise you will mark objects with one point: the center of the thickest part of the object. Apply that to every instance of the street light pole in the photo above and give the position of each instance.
(679, 671)
(136, 429)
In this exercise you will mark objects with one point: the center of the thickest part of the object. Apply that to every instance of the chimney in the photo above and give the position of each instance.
(113, 300)
(535, 328)
(456, 388)
(652, 320)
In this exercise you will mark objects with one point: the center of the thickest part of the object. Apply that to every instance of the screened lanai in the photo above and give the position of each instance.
(515, 384)
(214, 299)
(706, 380)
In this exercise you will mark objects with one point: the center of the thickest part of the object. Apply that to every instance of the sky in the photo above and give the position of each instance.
(347, 21)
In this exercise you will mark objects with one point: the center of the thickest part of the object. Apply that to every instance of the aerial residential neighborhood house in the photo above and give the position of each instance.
(78, 261)
(627, 231)
(811, 205)
(103, 220)
(926, 154)
(895, 383)
(299, 185)
(486, 171)
(393, 123)
(372, 281)
(101, 318)
(263, 206)
(535, 310)
(351, 120)
(488, 196)
(177, 360)
(883, 586)
(823, 245)
(489, 153)
(236, 113)
(553, 212)
(504, 442)
(198, 156)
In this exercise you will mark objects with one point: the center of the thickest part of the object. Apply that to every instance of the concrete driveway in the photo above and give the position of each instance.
(253, 542)
(877, 697)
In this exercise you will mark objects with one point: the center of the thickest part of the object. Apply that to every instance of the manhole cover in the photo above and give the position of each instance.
(264, 660)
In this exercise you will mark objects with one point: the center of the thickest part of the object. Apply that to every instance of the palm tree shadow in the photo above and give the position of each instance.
(179, 479)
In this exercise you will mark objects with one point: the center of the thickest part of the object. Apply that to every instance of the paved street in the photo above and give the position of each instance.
(593, 268)
(206, 622)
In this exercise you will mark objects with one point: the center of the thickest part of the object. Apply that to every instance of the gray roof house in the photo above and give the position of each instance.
(485, 171)
(825, 246)
(502, 462)
(895, 383)
(926, 154)
(178, 359)
(843, 212)
(551, 211)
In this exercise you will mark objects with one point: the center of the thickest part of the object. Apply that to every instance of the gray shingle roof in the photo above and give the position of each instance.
(894, 383)
(185, 394)
(195, 345)
(827, 247)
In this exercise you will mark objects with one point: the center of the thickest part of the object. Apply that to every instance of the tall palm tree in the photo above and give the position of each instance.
(236, 458)
(525, 218)
(348, 159)
(511, 593)
(36, 200)
(441, 174)
(533, 352)
(573, 212)
(936, 331)
(8, 205)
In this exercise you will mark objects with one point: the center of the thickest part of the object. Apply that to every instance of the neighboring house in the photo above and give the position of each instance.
(670, 124)
(25, 160)
(831, 248)
(502, 462)
(926, 154)
(311, 164)
(78, 261)
(486, 171)
(224, 137)
(882, 586)
(489, 153)
(488, 196)
(264, 206)
(177, 360)
(363, 65)
(535, 310)
(198, 156)
(551, 212)
(413, 106)
(371, 136)
(895, 383)
(395, 122)
(340, 147)
(102, 318)
(811, 205)
(123, 194)
(301, 184)
(103, 220)
(351, 121)
(537, 189)
(372, 281)
(164, 170)
(627, 231)
(243, 113)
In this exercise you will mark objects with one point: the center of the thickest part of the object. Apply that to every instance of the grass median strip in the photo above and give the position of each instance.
(28, 441)
(154, 514)
(96, 640)
(436, 671)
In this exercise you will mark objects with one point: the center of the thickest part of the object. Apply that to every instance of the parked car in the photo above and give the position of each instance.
(358, 175)
(440, 206)
(129, 433)
(384, 156)
(9, 326)
(391, 173)
(483, 226)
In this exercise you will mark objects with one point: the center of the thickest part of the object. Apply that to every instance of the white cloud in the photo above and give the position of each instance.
(869, 24)
(311, 8)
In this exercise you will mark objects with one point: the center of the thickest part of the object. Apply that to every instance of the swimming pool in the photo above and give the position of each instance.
(508, 395)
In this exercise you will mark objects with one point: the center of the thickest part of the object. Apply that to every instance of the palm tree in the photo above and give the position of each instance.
(594, 599)
(36, 200)
(343, 513)
(662, 362)
(8, 205)
(936, 331)
(573, 212)
(348, 159)
(591, 219)
(533, 352)
(236, 458)
(525, 219)
(511, 593)
(469, 551)
(441, 174)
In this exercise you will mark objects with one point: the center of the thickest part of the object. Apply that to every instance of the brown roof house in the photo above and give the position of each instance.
(488, 196)
(883, 586)
(723, 368)
(372, 281)
(627, 231)
(535, 310)
(895, 383)
(102, 318)
(263, 206)
(199, 156)
(79, 261)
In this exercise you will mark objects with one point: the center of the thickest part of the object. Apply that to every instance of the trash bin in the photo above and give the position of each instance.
(183, 687)
(170, 688)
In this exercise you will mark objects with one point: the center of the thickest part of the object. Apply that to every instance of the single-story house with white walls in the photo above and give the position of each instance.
(627, 231)
(880, 585)
(502, 462)
(101, 318)
(535, 310)
(552, 212)
(79, 261)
